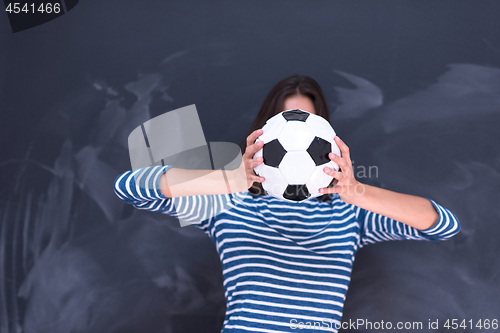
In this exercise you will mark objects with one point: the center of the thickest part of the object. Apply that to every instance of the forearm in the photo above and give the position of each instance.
(184, 182)
(412, 210)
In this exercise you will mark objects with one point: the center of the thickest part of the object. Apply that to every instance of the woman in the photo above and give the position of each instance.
(287, 265)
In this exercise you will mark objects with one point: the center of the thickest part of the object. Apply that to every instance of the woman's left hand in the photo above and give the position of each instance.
(344, 183)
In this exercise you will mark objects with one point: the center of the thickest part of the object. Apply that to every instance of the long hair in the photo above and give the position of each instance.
(274, 102)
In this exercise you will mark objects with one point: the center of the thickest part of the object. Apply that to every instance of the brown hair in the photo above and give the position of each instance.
(274, 102)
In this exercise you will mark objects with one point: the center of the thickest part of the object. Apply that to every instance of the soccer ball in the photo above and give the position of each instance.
(295, 152)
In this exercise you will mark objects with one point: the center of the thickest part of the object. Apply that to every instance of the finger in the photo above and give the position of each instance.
(341, 162)
(252, 149)
(329, 190)
(256, 161)
(257, 179)
(333, 173)
(343, 148)
(253, 136)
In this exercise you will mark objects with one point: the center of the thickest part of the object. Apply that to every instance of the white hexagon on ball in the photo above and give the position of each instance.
(319, 179)
(321, 128)
(277, 184)
(296, 167)
(295, 136)
(272, 129)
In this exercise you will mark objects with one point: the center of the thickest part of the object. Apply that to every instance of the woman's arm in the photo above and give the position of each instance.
(412, 210)
(141, 189)
(193, 196)
(417, 212)
(184, 182)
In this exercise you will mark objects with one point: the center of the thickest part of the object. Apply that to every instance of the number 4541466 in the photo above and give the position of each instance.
(30, 8)
(480, 324)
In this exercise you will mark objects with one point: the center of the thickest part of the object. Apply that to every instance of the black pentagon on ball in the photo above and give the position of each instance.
(296, 192)
(273, 152)
(295, 115)
(319, 150)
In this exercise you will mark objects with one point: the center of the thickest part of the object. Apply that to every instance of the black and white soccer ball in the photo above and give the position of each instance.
(295, 152)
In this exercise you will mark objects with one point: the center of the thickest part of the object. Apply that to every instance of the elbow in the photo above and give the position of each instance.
(119, 188)
(447, 229)
(455, 223)
(455, 229)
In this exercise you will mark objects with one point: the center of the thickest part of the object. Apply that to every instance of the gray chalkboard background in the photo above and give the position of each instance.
(413, 87)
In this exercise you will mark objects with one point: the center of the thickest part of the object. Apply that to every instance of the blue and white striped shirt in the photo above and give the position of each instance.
(283, 262)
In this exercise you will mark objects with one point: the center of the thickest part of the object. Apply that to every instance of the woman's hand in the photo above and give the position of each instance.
(249, 162)
(344, 183)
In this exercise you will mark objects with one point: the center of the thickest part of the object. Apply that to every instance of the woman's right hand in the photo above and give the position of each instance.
(249, 162)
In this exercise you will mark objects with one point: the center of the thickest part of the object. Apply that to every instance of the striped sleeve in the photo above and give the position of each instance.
(141, 189)
(377, 228)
